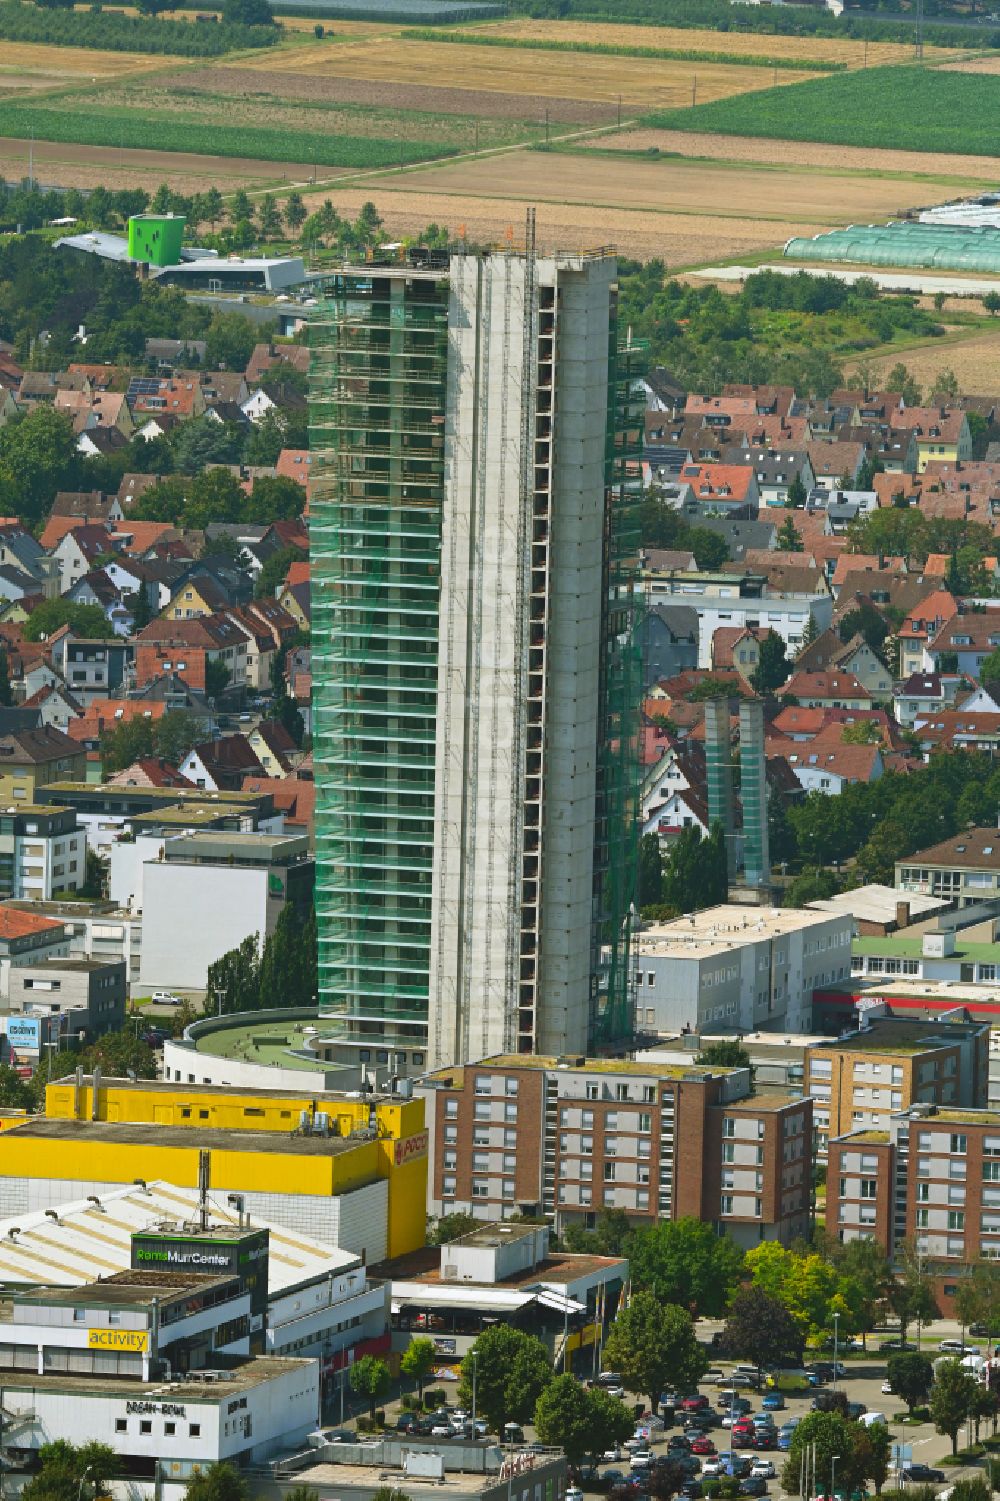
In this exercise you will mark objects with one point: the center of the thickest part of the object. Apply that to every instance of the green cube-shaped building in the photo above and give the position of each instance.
(156, 238)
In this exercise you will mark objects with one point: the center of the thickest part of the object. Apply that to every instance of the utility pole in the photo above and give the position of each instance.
(918, 38)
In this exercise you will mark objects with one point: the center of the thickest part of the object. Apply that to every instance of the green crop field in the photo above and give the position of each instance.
(905, 108)
(152, 132)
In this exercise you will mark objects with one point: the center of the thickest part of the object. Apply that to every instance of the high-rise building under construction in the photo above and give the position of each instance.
(474, 425)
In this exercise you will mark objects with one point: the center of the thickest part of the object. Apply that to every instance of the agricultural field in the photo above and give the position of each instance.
(508, 70)
(28, 65)
(974, 359)
(848, 52)
(904, 108)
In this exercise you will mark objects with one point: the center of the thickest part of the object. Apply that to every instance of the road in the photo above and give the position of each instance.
(889, 281)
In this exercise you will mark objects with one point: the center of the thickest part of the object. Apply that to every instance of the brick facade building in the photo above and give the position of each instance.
(569, 1137)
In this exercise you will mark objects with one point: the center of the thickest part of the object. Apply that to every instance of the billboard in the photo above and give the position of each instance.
(135, 1341)
(243, 1255)
(24, 1032)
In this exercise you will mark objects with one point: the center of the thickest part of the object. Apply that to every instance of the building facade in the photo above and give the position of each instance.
(475, 663)
(570, 1137)
(738, 969)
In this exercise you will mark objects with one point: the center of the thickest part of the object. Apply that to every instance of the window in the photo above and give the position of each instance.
(480, 1188)
(451, 1134)
(869, 1188)
(120, 1425)
(510, 1112)
(145, 1426)
(922, 1219)
(621, 1092)
(958, 1144)
(484, 1084)
(726, 1204)
(923, 1193)
(508, 1188)
(956, 1219)
(170, 1429)
(609, 1172)
(194, 1430)
(645, 1125)
(451, 1110)
(593, 1089)
(448, 1187)
(510, 1086)
(728, 1126)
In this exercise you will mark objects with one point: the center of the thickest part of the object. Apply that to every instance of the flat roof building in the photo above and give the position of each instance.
(570, 1136)
(737, 969)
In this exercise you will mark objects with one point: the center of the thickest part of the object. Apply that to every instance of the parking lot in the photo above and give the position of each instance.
(861, 1383)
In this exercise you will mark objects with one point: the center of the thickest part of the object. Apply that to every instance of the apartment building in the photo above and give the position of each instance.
(891, 1063)
(738, 969)
(568, 1137)
(965, 868)
(932, 1177)
(739, 601)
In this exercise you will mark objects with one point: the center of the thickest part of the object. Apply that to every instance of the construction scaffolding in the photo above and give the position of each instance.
(616, 850)
(378, 387)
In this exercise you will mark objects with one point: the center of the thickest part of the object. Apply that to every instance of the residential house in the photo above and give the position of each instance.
(954, 729)
(720, 488)
(963, 643)
(828, 690)
(148, 771)
(295, 599)
(964, 869)
(294, 798)
(56, 706)
(78, 551)
(266, 357)
(923, 696)
(274, 748)
(91, 669)
(31, 759)
(829, 768)
(941, 434)
(293, 463)
(833, 463)
(920, 627)
(16, 584)
(98, 588)
(170, 397)
(19, 549)
(775, 471)
(87, 506)
(187, 647)
(169, 353)
(737, 647)
(221, 765)
(669, 638)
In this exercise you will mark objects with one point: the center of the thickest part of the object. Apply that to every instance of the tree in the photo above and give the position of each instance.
(710, 550)
(14, 1092)
(295, 212)
(772, 668)
(608, 1237)
(219, 1482)
(217, 677)
(247, 13)
(270, 218)
(952, 1396)
(984, 1281)
(872, 1453)
(910, 1293)
(371, 1379)
(183, 1016)
(876, 861)
(945, 387)
(287, 973)
(650, 869)
(991, 302)
(865, 1264)
(816, 883)
(696, 873)
(985, 1407)
(234, 980)
(911, 1376)
(565, 1415)
(726, 1053)
(118, 1054)
(205, 441)
(85, 621)
(37, 457)
(788, 537)
(451, 1227)
(759, 1328)
(901, 382)
(230, 338)
(418, 1361)
(512, 1371)
(652, 1345)
(835, 1442)
(684, 1262)
(272, 574)
(71, 1473)
(797, 498)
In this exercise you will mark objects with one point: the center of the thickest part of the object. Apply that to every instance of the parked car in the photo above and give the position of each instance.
(690, 1490)
(573, 1493)
(614, 1478)
(735, 1464)
(406, 1422)
(765, 1438)
(697, 1422)
(695, 1402)
(636, 1442)
(165, 998)
(957, 1347)
(702, 1445)
(917, 1474)
(856, 1410)
(679, 1442)
(714, 1375)
(711, 1467)
(773, 1402)
(641, 1459)
(887, 1346)
(763, 1469)
(887, 1390)
(785, 1438)
(612, 1456)
(743, 1380)
(753, 1485)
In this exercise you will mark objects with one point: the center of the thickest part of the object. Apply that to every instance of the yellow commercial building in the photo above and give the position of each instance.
(352, 1171)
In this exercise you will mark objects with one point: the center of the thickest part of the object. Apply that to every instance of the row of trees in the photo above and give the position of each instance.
(116, 1054)
(282, 973)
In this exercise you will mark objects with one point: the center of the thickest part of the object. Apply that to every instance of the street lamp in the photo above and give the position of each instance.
(836, 1348)
(833, 1474)
(475, 1358)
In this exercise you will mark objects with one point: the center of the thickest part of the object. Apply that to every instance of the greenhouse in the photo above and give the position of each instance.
(944, 247)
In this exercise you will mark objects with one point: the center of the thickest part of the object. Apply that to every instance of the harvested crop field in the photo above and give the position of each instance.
(418, 97)
(974, 360)
(73, 166)
(760, 150)
(569, 75)
(974, 65)
(32, 63)
(847, 50)
(674, 187)
(683, 240)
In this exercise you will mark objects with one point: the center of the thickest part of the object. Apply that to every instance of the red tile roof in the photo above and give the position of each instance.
(17, 924)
